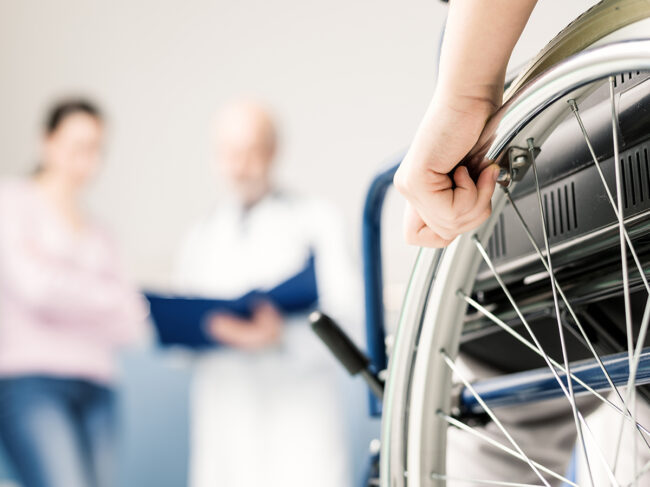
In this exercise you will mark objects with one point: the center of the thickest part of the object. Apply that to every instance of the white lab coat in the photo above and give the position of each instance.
(272, 417)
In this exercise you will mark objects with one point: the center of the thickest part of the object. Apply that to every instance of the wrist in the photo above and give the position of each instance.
(450, 128)
(473, 103)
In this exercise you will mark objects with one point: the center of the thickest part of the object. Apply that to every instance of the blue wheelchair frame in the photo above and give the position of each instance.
(373, 276)
(507, 390)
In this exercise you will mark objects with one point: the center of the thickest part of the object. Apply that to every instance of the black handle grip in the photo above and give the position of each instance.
(339, 343)
(345, 351)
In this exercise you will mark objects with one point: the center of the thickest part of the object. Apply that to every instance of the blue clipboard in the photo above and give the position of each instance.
(181, 320)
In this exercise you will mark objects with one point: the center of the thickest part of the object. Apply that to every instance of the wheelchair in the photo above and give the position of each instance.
(549, 300)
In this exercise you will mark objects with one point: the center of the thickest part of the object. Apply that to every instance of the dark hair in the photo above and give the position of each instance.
(63, 109)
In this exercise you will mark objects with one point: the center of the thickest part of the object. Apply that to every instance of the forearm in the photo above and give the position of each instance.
(444, 201)
(479, 38)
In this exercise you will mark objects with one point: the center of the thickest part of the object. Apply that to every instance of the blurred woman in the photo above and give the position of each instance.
(65, 307)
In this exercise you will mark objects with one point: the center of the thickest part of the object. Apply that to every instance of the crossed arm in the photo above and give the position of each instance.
(444, 202)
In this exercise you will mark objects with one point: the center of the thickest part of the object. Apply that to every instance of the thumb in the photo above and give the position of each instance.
(486, 184)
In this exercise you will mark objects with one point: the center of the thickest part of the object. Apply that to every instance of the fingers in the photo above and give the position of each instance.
(266, 312)
(226, 329)
(434, 220)
(416, 232)
(465, 193)
(246, 336)
(263, 330)
(486, 184)
(481, 208)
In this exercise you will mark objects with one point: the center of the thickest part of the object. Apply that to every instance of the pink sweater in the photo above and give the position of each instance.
(65, 304)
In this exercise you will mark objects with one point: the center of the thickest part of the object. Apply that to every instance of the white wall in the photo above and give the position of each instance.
(348, 80)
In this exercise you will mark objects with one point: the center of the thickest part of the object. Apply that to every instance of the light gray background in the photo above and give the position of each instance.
(348, 80)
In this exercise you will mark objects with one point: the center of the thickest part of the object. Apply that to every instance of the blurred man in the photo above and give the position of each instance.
(264, 406)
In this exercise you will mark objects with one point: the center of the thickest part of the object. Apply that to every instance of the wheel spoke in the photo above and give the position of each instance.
(473, 431)
(574, 108)
(622, 242)
(610, 473)
(583, 333)
(625, 241)
(618, 210)
(556, 304)
(519, 313)
(524, 321)
(631, 385)
(514, 333)
(493, 417)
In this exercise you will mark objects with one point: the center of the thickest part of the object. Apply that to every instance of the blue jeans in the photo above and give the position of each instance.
(58, 432)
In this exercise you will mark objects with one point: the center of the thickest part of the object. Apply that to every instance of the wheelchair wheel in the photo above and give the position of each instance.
(554, 282)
